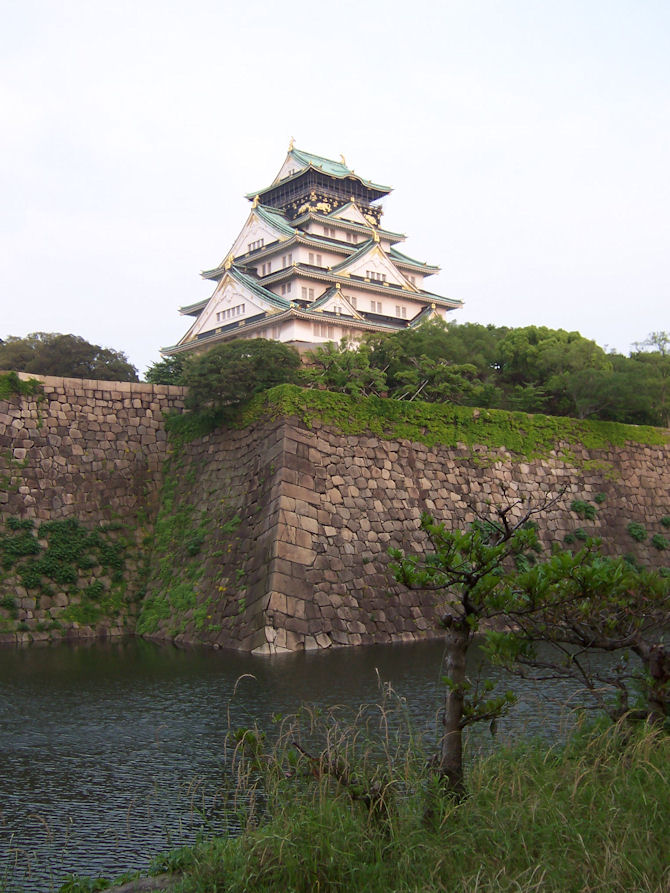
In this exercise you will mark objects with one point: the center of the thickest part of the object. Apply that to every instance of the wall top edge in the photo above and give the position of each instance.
(99, 384)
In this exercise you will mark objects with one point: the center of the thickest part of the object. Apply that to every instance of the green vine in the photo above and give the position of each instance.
(524, 436)
(13, 386)
(86, 565)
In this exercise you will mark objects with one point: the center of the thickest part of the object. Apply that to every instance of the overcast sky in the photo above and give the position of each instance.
(527, 141)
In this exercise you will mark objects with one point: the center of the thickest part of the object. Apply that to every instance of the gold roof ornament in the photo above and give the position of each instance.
(375, 235)
(229, 262)
(433, 306)
(343, 160)
(337, 286)
(255, 202)
(291, 144)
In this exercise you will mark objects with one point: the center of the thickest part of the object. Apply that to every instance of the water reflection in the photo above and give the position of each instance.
(110, 753)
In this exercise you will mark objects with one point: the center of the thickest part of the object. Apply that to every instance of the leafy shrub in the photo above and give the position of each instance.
(599, 498)
(637, 531)
(8, 602)
(659, 542)
(584, 510)
(665, 520)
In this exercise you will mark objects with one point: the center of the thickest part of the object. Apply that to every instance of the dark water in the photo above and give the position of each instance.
(110, 754)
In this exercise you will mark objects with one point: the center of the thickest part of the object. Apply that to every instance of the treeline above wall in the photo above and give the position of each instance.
(532, 369)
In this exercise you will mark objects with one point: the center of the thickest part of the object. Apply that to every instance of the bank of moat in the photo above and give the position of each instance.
(274, 534)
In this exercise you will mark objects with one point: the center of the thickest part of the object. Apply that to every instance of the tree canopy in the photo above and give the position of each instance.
(528, 369)
(233, 372)
(70, 356)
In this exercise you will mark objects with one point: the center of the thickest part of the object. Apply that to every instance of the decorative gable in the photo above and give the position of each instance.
(353, 214)
(231, 302)
(335, 301)
(372, 264)
(256, 233)
(289, 167)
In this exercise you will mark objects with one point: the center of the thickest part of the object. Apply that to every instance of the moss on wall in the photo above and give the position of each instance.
(60, 574)
(524, 436)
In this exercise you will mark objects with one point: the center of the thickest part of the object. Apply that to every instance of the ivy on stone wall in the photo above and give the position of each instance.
(70, 572)
(13, 386)
(524, 436)
(178, 538)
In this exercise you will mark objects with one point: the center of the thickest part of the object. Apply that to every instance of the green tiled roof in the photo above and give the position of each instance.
(419, 318)
(334, 168)
(322, 300)
(248, 282)
(190, 308)
(254, 286)
(404, 258)
(328, 166)
(276, 220)
(365, 247)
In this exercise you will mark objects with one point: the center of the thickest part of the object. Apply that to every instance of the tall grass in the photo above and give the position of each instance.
(342, 805)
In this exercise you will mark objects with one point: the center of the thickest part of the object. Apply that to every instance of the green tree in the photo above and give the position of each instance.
(490, 574)
(70, 356)
(343, 369)
(470, 570)
(232, 373)
(586, 603)
(167, 371)
(446, 362)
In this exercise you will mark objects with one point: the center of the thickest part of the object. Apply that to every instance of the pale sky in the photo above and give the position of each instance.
(527, 141)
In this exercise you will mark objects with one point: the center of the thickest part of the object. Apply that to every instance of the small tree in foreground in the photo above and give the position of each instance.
(489, 576)
(586, 603)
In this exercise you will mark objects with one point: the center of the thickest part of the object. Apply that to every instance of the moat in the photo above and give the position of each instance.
(112, 753)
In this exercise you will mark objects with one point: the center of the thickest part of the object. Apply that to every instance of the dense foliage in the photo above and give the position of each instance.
(167, 371)
(70, 356)
(532, 369)
(234, 372)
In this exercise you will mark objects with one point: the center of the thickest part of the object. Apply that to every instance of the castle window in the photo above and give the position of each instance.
(321, 330)
(253, 246)
(353, 301)
(375, 306)
(375, 276)
(401, 311)
(230, 312)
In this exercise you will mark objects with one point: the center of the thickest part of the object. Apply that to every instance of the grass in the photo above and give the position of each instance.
(589, 816)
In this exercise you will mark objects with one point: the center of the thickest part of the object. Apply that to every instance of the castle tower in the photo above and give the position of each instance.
(313, 263)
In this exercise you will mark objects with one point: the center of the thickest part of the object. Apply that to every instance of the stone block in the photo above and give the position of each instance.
(296, 554)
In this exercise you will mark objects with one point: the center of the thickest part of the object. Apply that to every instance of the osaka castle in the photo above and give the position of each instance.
(313, 263)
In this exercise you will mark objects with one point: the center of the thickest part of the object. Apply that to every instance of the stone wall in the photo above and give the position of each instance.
(320, 509)
(270, 538)
(89, 452)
